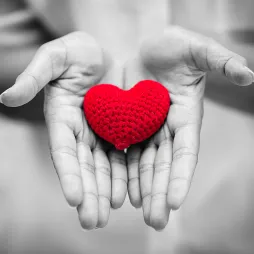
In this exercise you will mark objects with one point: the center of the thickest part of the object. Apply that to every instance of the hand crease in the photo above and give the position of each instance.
(104, 170)
(87, 166)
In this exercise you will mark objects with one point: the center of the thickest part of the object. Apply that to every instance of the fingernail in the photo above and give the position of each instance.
(251, 73)
(1, 96)
(1, 101)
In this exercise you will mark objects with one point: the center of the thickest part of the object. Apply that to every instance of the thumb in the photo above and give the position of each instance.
(47, 65)
(208, 55)
(178, 47)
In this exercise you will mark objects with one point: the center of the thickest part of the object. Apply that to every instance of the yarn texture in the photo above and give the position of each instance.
(127, 117)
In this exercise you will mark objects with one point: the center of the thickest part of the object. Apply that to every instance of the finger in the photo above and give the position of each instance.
(208, 55)
(88, 210)
(159, 207)
(133, 158)
(47, 64)
(178, 47)
(119, 177)
(185, 157)
(103, 178)
(146, 168)
(63, 152)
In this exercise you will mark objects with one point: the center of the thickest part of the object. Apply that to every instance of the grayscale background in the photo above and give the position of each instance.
(218, 215)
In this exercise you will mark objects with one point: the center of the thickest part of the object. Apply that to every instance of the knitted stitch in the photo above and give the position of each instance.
(128, 117)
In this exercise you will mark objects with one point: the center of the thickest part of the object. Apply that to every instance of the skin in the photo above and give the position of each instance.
(160, 170)
(93, 175)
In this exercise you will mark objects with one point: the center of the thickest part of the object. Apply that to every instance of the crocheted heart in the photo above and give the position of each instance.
(124, 117)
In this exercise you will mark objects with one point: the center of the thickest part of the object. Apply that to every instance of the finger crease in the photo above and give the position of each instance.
(145, 168)
(104, 196)
(91, 194)
(61, 150)
(180, 155)
(133, 178)
(70, 174)
(119, 178)
(166, 165)
(159, 195)
(181, 178)
(146, 195)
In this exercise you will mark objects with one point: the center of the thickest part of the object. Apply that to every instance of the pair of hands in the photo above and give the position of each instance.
(157, 173)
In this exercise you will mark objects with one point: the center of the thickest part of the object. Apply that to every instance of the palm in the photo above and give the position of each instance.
(92, 173)
(160, 169)
(178, 59)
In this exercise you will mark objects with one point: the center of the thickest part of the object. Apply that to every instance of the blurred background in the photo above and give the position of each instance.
(217, 216)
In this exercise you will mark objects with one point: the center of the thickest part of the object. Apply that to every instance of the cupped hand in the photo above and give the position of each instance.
(92, 173)
(160, 170)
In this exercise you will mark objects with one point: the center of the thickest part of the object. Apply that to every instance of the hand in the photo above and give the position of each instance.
(160, 171)
(91, 172)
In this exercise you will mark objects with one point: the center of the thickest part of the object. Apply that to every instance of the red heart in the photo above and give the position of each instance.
(123, 117)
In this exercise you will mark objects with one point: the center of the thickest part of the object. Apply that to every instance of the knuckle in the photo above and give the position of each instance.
(56, 52)
(46, 49)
